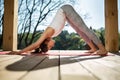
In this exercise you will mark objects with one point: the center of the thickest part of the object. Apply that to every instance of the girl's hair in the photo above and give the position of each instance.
(43, 47)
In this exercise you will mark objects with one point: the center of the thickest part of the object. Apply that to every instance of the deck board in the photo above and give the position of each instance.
(101, 71)
(17, 67)
(59, 67)
(111, 64)
(6, 57)
(46, 70)
(72, 70)
(6, 74)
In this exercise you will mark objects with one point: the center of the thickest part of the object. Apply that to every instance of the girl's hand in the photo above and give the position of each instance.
(14, 53)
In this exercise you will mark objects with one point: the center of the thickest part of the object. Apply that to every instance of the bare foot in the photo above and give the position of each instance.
(91, 51)
(100, 52)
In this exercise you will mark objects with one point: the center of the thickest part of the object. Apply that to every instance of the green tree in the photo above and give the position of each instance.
(62, 41)
(100, 34)
(66, 41)
(31, 14)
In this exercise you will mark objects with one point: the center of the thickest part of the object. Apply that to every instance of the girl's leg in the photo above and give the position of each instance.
(86, 39)
(58, 23)
(78, 24)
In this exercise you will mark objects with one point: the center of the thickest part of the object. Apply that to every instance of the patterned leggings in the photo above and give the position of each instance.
(76, 22)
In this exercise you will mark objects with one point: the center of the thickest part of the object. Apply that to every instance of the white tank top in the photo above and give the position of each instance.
(58, 22)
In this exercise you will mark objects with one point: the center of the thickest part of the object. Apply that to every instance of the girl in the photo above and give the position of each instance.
(66, 13)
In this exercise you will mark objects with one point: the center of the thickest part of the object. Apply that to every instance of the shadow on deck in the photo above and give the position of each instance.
(60, 67)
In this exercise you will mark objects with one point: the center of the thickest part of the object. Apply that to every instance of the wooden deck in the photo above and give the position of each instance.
(44, 67)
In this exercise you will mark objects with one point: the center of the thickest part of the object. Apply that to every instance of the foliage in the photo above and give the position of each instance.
(70, 41)
(66, 41)
(100, 33)
(32, 13)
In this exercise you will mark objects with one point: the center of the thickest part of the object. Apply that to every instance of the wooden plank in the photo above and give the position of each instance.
(110, 61)
(6, 57)
(114, 58)
(6, 74)
(111, 64)
(2, 56)
(102, 72)
(47, 70)
(10, 25)
(16, 68)
(70, 69)
(111, 25)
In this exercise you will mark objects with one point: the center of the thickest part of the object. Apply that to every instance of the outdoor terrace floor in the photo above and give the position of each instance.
(60, 65)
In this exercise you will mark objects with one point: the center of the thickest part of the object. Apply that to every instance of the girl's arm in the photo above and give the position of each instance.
(47, 33)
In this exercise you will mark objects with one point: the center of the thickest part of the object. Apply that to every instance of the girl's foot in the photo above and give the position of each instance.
(91, 51)
(100, 52)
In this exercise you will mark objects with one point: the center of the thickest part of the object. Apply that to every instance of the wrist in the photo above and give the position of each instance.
(20, 52)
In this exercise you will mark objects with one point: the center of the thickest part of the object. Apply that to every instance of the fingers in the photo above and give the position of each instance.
(13, 53)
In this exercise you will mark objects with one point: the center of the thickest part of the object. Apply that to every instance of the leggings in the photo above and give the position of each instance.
(71, 16)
